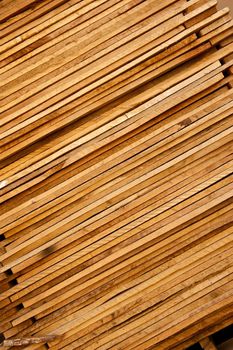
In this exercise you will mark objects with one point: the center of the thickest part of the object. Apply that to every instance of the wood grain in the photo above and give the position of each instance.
(116, 173)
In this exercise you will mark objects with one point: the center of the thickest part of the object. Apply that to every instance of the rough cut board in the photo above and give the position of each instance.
(116, 178)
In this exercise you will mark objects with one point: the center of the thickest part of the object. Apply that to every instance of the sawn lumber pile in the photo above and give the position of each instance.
(116, 173)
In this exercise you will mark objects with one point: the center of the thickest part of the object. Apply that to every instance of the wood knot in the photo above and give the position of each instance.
(48, 250)
(186, 122)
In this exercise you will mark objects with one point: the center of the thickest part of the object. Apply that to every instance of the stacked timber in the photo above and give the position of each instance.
(116, 173)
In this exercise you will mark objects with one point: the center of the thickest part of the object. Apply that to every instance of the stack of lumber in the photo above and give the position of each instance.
(116, 173)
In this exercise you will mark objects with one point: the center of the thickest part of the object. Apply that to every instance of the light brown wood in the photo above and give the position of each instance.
(27, 341)
(116, 173)
(207, 344)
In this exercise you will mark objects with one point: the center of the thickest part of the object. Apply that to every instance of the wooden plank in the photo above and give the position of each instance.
(116, 173)
(207, 344)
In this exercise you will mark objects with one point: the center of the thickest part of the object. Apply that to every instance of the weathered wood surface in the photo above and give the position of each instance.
(27, 341)
(116, 173)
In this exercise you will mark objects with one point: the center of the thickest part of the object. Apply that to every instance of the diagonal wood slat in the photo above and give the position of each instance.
(116, 173)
